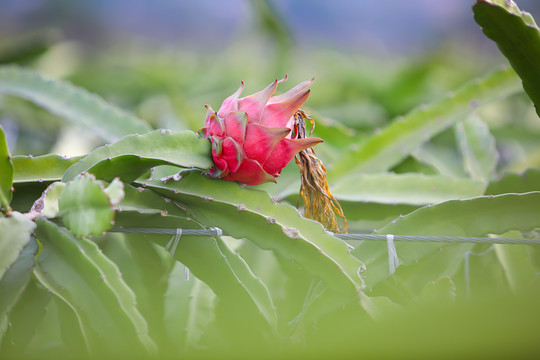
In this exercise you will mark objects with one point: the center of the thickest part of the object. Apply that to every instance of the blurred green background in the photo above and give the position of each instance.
(373, 61)
(163, 60)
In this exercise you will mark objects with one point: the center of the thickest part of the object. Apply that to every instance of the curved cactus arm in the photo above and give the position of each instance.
(15, 232)
(189, 309)
(50, 167)
(24, 318)
(144, 267)
(93, 286)
(6, 173)
(386, 149)
(141, 152)
(472, 217)
(252, 214)
(15, 280)
(518, 38)
(71, 103)
(69, 313)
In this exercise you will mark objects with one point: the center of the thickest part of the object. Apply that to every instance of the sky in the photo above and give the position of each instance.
(384, 26)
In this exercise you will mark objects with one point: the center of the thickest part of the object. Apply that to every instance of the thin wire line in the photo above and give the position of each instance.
(457, 239)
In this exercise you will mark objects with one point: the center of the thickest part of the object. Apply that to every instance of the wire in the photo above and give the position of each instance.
(456, 239)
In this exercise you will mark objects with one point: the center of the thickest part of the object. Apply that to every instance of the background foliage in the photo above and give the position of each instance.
(430, 147)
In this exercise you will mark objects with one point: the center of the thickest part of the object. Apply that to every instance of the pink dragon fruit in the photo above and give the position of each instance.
(252, 137)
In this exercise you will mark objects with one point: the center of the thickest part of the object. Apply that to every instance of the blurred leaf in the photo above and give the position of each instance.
(50, 167)
(74, 104)
(473, 217)
(15, 233)
(380, 307)
(273, 25)
(144, 267)
(518, 38)
(477, 147)
(515, 260)
(413, 276)
(15, 280)
(441, 291)
(387, 148)
(92, 284)
(85, 207)
(70, 317)
(443, 158)
(6, 173)
(409, 188)
(133, 155)
(189, 309)
(515, 183)
(25, 47)
(252, 214)
(25, 314)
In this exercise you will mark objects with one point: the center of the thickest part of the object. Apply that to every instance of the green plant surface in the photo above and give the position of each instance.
(472, 217)
(211, 260)
(443, 159)
(70, 318)
(74, 104)
(527, 181)
(14, 282)
(24, 318)
(252, 214)
(133, 155)
(15, 233)
(518, 264)
(413, 276)
(386, 149)
(145, 201)
(145, 268)
(477, 147)
(50, 167)
(518, 37)
(410, 188)
(93, 285)
(189, 308)
(6, 173)
(85, 207)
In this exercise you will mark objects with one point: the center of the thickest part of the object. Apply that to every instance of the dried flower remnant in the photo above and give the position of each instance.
(319, 203)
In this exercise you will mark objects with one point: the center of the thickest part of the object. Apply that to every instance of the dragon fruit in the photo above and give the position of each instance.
(253, 137)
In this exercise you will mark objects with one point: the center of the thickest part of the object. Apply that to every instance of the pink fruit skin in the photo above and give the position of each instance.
(252, 138)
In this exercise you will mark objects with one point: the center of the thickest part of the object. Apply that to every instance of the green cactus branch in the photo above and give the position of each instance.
(386, 149)
(70, 102)
(518, 38)
(6, 173)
